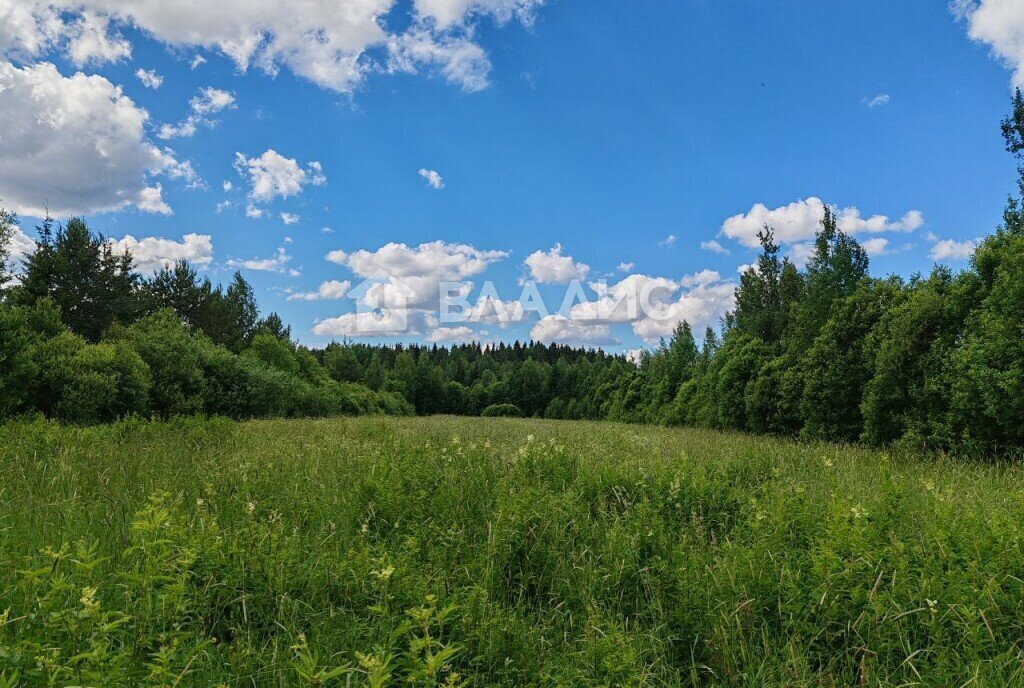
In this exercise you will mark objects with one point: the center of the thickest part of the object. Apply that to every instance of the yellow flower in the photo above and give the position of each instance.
(88, 598)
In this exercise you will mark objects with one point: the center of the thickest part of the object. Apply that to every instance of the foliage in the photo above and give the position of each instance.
(502, 411)
(497, 552)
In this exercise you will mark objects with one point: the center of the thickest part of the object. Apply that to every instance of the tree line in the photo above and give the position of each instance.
(829, 352)
(85, 339)
(824, 351)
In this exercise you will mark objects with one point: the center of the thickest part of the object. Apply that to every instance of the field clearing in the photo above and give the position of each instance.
(451, 551)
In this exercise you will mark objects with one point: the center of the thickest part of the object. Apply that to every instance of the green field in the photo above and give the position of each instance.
(444, 551)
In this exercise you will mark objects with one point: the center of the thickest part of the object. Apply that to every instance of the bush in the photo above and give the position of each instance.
(104, 382)
(173, 355)
(502, 411)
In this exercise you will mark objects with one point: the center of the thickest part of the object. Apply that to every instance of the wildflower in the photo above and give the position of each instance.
(857, 511)
(250, 508)
(200, 503)
(826, 462)
(88, 599)
(529, 438)
(933, 605)
(384, 573)
(365, 528)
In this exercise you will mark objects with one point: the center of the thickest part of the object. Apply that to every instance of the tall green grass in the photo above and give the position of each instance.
(485, 552)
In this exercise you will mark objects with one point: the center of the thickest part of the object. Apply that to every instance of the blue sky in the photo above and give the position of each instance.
(622, 133)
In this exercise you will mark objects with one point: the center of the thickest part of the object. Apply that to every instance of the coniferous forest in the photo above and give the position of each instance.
(826, 351)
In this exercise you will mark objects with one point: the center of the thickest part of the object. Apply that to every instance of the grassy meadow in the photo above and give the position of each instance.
(498, 552)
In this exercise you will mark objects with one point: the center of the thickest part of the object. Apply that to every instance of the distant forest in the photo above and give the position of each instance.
(820, 352)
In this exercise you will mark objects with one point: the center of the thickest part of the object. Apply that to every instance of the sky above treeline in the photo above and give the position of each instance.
(513, 150)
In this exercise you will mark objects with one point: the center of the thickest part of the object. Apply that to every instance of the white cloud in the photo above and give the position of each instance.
(271, 175)
(289, 218)
(653, 306)
(333, 43)
(494, 311)
(801, 220)
(449, 12)
(327, 291)
(701, 306)
(153, 253)
(461, 61)
(948, 249)
(433, 179)
(92, 41)
(880, 99)
(551, 267)
(801, 252)
(227, 185)
(634, 356)
(149, 78)
(626, 301)
(76, 145)
(326, 230)
(19, 248)
(412, 276)
(625, 267)
(277, 263)
(558, 328)
(668, 242)
(384, 322)
(197, 62)
(452, 335)
(210, 100)
(207, 102)
(714, 247)
(1000, 24)
(876, 246)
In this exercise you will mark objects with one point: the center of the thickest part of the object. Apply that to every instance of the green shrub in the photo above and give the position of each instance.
(173, 355)
(502, 411)
(104, 382)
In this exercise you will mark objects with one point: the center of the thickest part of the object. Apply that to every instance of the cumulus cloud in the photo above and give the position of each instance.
(551, 267)
(653, 306)
(154, 253)
(19, 247)
(76, 145)
(948, 249)
(492, 310)
(381, 322)
(149, 78)
(558, 328)
(276, 263)
(271, 175)
(327, 291)
(625, 267)
(800, 220)
(714, 247)
(433, 178)
(635, 356)
(876, 246)
(333, 43)
(626, 301)
(207, 102)
(411, 277)
(289, 218)
(668, 242)
(1000, 25)
(452, 335)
